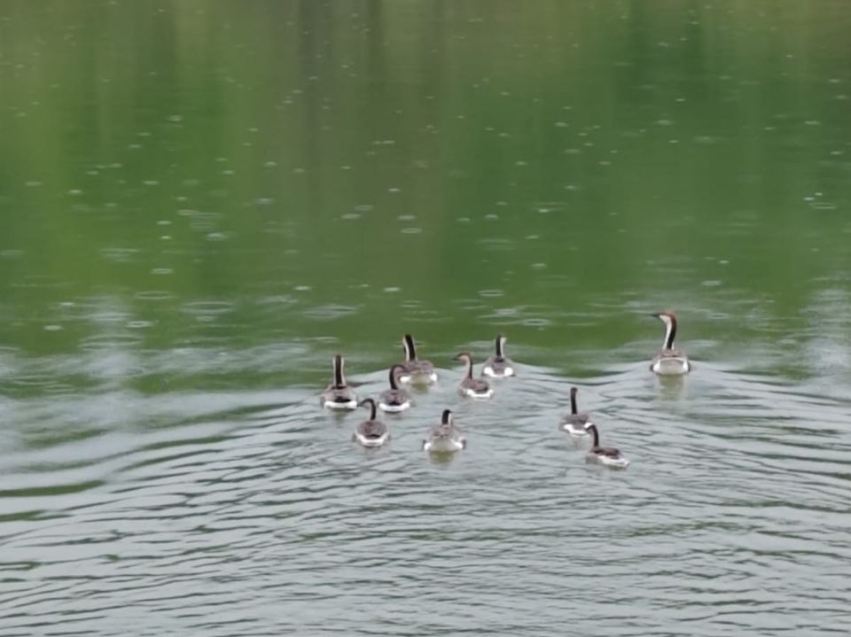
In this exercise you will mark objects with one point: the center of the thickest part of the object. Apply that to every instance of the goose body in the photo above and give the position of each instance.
(338, 395)
(395, 399)
(472, 387)
(416, 371)
(372, 432)
(445, 437)
(607, 456)
(498, 365)
(669, 361)
(575, 423)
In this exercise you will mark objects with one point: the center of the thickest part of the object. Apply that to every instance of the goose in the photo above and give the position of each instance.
(338, 395)
(574, 423)
(472, 387)
(445, 437)
(394, 399)
(669, 361)
(372, 432)
(608, 456)
(416, 371)
(498, 365)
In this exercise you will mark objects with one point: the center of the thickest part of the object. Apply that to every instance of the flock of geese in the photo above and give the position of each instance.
(445, 437)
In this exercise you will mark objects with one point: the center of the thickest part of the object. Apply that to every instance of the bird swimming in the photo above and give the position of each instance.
(574, 423)
(372, 432)
(394, 400)
(417, 372)
(445, 437)
(608, 456)
(498, 365)
(338, 395)
(669, 361)
(469, 386)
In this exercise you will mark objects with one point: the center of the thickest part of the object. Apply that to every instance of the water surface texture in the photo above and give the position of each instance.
(201, 202)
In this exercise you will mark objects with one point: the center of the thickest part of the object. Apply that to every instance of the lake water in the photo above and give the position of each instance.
(201, 202)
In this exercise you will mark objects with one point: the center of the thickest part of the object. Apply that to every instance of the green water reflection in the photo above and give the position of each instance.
(237, 174)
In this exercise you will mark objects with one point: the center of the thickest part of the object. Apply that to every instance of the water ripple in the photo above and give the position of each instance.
(240, 511)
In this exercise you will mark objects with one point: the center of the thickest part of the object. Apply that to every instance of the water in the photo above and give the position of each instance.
(200, 203)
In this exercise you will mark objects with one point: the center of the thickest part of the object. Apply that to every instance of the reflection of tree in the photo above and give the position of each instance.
(618, 119)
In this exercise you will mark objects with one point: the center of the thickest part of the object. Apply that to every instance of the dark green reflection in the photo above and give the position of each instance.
(233, 175)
